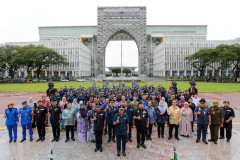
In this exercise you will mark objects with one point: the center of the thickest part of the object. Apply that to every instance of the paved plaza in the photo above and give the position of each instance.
(186, 148)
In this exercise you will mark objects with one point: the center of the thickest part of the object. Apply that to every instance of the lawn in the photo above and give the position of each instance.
(42, 87)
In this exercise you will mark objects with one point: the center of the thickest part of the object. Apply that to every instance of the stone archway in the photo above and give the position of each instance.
(115, 20)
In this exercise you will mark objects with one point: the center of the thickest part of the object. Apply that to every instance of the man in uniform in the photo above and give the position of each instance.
(216, 119)
(41, 119)
(111, 111)
(142, 123)
(130, 112)
(12, 121)
(55, 120)
(26, 115)
(202, 113)
(228, 116)
(121, 122)
(99, 120)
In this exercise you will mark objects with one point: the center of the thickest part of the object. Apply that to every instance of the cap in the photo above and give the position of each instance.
(186, 103)
(202, 100)
(121, 107)
(215, 101)
(226, 102)
(111, 101)
(24, 102)
(39, 101)
(98, 104)
(140, 102)
(10, 103)
(54, 100)
(128, 100)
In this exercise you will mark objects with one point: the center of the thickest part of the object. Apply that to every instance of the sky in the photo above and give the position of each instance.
(20, 19)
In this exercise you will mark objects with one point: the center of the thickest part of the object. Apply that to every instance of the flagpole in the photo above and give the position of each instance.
(121, 59)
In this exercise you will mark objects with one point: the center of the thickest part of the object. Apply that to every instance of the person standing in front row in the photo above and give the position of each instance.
(161, 118)
(202, 113)
(152, 119)
(99, 120)
(41, 119)
(82, 124)
(26, 115)
(142, 123)
(11, 122)
(55, 119)
(228, 116)
(174, 119)
(121, 121)
(69, 117)
(216, 119)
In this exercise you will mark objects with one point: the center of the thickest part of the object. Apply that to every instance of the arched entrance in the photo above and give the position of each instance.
(116, 20)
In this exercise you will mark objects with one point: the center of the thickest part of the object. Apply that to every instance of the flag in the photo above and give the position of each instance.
(103, 49)
(174, 157)
(139, 48)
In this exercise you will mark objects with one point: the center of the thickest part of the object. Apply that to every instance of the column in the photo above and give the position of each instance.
(52, 73)
(33, 74)
(191, 72)
(185, 73)
(164, 73)
(198, 73)
(59, 73)
(226, 72)
(170, 73)
(213, 72)
(65, 73)
(178, 73)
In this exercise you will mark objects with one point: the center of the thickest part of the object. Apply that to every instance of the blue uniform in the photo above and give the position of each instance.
(202, 122)
(12, 118)
(121, 131)
(26, 121)
(130, 112)
(110, 115)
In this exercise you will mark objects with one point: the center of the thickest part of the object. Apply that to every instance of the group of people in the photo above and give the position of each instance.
(116, 110)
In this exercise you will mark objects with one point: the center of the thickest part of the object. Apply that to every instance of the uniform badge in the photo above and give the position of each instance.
(26, 114)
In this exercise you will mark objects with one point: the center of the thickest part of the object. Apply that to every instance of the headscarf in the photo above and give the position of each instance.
(30, 102)
(164, 102)
(83, 112)
(162, 108)
(74, 104)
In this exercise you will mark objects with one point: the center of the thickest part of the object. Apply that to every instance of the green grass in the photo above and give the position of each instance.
(42, 87)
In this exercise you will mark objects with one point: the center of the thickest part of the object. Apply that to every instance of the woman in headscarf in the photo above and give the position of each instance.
(63, 105)
(82, 123)
(31, 104)
(92, 134)
(185, 126)
(164, 102)
(161, 118)
(75, 104)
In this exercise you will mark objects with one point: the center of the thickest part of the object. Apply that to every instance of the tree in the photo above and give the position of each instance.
(235, 48)
(116, 70)
(26, 58)
(8, 61)
(47, 57)
(200, 60)
(127, 71)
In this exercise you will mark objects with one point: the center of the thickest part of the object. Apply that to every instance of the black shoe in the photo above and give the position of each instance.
(109, 140)
(210, 140)
(204, 141)
(124, 154)
(114, 140)
(39, 139)
(144, 146)
(221, 137)
(96, 149)
(31, 139)
(73, 139)
(105, 133)
(43, 138)
(57, 139)
(150, 138)
(118, 154)
(147, 138)
(138, 146)
(215, 142)
(130, 140)
(198, 140)
(177, 138)
(228, 140)
(192, 130)
(53, 140)
(100, 149)
(158, 136)
(66, 140)
(24, 139)
(10, 141)
(162, 137)
(169, 138)
(15, 140)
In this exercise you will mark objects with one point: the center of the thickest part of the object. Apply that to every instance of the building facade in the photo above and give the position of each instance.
(162, 48)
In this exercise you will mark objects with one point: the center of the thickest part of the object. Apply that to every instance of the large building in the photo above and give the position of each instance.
(161, 48)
